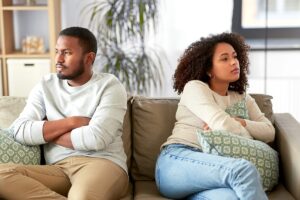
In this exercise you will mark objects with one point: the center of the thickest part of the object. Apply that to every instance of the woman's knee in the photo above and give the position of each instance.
(171, 181)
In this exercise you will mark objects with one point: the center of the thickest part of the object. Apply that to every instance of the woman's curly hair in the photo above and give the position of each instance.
(196, 61)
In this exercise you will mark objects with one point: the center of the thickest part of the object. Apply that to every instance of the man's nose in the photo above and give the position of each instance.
(59, 57)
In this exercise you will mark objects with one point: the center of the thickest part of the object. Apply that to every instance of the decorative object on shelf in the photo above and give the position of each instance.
(33, 45)
(30, 2)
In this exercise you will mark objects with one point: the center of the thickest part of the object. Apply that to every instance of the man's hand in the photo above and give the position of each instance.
(64, 140)
(77, 121)
(56, 128)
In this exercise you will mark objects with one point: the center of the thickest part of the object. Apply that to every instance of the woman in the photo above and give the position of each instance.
(211, 76)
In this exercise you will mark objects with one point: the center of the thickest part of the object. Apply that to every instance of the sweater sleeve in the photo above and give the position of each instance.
(28, 127)
(198, 98)
(258, 126)
(106, 123)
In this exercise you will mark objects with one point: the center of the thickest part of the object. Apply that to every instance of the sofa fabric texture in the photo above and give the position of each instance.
(149, 122)
(224, 143)
(10, 108)
(14, 152)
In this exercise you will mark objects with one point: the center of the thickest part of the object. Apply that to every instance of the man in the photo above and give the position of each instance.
(77, 115)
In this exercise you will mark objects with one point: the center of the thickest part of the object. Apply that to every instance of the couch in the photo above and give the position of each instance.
(148, 123)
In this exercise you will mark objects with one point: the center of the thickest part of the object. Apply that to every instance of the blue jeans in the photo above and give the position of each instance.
(186, 172)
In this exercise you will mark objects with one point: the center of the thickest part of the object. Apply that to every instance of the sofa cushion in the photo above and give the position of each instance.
(153, 121)
(126, 136)
(147, 190)
(265, 105)
(279, 193)
(10, 108)
(223, 143)
(14, 152)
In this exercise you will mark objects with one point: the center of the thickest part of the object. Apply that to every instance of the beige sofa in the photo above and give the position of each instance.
(148, 123)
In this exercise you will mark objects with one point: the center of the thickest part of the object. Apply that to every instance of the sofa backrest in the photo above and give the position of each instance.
(152, 122)
(126, 136)
(148, 123)
(10, 108)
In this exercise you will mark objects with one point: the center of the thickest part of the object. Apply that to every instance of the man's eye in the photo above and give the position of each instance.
(67, 53)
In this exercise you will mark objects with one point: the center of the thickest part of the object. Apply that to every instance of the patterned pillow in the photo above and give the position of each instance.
(259, 153)
(14, 152)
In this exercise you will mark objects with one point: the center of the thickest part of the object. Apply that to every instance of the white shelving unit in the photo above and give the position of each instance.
(18, 20)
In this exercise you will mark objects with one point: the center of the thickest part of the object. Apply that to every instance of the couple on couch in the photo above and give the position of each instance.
(77, 116)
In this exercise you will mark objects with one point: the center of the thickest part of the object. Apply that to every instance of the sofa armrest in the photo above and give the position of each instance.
(288, 145)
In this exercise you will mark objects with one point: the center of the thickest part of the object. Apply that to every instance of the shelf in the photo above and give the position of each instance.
(24, 55)
(29, 8)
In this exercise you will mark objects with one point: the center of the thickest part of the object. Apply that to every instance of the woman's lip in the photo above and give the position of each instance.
(236, 70)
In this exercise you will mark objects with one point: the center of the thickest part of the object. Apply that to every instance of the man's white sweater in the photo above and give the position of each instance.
(102, 98)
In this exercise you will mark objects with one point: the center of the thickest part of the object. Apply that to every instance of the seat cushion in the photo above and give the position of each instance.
(147, 190)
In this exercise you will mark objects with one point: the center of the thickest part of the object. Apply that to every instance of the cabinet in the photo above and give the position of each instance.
(18, 20)
(20, 85)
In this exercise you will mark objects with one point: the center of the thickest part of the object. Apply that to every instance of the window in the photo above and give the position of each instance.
(268, 19)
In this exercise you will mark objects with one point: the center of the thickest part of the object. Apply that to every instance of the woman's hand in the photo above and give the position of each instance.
(206, 127)
(242, 121)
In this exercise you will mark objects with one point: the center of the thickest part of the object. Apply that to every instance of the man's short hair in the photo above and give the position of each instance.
(86, 38)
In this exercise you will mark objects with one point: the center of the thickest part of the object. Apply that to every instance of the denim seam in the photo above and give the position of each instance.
(199, 162)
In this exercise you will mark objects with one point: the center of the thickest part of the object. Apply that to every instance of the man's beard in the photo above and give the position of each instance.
(74, 75)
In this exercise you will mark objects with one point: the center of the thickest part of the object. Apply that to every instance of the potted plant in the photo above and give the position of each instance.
(122, 27)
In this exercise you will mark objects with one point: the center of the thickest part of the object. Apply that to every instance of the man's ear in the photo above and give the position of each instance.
(90, 58)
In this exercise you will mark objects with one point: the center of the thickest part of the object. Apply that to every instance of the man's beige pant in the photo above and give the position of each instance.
(78, 178)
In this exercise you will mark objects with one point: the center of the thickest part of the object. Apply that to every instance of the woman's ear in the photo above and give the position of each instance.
(208, 74)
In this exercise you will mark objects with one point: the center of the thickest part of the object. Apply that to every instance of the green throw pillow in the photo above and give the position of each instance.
(259, 153)
(14, 152)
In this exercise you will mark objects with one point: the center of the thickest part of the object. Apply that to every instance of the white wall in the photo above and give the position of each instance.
(182, 22)
(185, 21)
